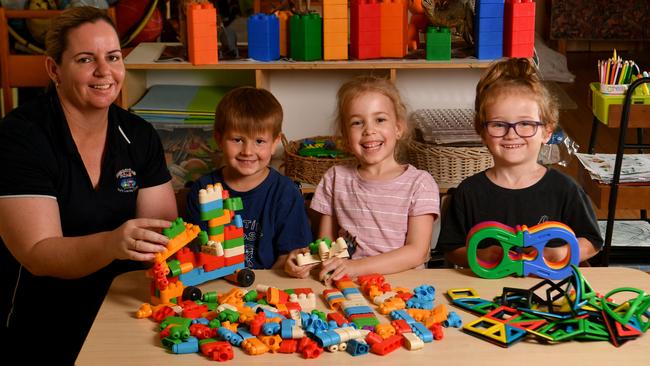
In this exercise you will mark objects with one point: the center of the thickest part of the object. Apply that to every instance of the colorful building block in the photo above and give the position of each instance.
(202, 33)
(365, 24)
(393, 20)
(488, 23)
(335, 29)
(519, 28)
(438, 43)
(263, 37)
(306, 37)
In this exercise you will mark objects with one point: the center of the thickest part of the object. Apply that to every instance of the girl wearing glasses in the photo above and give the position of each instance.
(515, 116)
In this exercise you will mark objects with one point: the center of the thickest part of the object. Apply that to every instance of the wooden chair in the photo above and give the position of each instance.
(20, 70)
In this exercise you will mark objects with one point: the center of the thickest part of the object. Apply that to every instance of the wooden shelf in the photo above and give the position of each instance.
(629, 196)
(143, 56)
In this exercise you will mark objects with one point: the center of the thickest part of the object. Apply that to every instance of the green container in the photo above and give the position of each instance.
(306, 37)
(608, 108)
(438, 41)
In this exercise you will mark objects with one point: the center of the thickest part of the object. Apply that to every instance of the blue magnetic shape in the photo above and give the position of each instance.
(539, 240)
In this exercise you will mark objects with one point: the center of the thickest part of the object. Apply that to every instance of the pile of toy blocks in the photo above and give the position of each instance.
(504, 28)
(268, 319)
(193, 256)
(570, 310)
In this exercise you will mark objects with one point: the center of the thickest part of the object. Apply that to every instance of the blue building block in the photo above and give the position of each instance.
(356, 348)
(264, 37)
(402, 314)
(190, 345)
(350, 290)
(453, 320)
(352, 310)
(421, 331)
(270, 328)
(427, 292)
(244, 333)
(490, 8)
(489, 52)
(198, 276)
(230, 336)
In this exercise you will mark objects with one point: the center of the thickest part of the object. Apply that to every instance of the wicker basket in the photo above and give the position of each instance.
(448, 165)
(308, 169)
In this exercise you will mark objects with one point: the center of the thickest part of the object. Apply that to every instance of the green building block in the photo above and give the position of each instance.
(215, 230)
(313, 246)
(208, 215)
(233, 204)
(178, 226)
(306, 37)
(250, 296)
(203, 237)
(362, 322)
(174, 268)
(233, 243)
(438, 40)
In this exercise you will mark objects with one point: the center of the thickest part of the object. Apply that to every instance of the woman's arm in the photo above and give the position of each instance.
(31, 230)
(157, 202)
(414, 252)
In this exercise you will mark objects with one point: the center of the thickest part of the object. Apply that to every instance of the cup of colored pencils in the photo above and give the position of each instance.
(615, 74)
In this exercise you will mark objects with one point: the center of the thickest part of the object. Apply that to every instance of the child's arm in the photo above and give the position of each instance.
(328, 227)
(414, 252)
(587, 250)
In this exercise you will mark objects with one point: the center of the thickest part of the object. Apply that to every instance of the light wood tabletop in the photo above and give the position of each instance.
(117, 338)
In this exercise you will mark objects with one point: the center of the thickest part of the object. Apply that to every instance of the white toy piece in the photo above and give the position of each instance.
(339, 248)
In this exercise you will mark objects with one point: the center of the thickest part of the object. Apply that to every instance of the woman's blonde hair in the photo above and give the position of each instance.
(365, 84)
(250, 110)
(514, 75)
(56, 39)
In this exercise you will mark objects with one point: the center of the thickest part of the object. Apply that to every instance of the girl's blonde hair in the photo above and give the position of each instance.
(365, 84)
(514, 75)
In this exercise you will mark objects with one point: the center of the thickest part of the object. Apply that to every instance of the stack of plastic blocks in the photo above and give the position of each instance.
(335, 29)
(519, 28)
(365, 25)
(488, 26)
(306, 37)
(263, 37)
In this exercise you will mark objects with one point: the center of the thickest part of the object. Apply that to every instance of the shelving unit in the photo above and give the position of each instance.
(308, 89)
(616, 194)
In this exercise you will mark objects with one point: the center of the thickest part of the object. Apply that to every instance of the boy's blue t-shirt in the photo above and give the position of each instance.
(274, 216)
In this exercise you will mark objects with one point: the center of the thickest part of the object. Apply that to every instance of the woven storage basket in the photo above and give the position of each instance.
(449, 165)
(309, 169)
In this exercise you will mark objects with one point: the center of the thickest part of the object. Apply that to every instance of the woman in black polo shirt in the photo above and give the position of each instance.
(83, 194)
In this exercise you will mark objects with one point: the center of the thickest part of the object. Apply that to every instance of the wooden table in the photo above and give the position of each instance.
(117, 338)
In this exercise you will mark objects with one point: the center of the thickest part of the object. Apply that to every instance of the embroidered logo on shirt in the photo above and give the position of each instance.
(126, 181)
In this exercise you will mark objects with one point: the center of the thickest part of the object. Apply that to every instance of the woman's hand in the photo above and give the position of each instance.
(336, 268)
(291, 266)
(138, 239)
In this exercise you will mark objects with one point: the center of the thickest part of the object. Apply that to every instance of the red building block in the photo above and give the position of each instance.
(365, 23)
(519, 28)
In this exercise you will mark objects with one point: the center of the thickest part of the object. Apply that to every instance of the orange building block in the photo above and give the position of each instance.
(335, 30)
(393, 28)
(284, 16)
(202, 33)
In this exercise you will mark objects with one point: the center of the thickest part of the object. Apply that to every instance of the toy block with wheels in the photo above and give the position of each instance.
(519, 28)
(192, 257)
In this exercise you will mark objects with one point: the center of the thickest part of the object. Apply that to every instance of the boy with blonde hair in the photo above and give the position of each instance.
(247, 127)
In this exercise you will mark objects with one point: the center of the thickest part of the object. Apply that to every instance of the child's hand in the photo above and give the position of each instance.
(335, 268)
(556, 254)
(291, 266)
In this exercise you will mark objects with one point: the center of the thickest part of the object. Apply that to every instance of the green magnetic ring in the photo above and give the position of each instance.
(508, 240)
